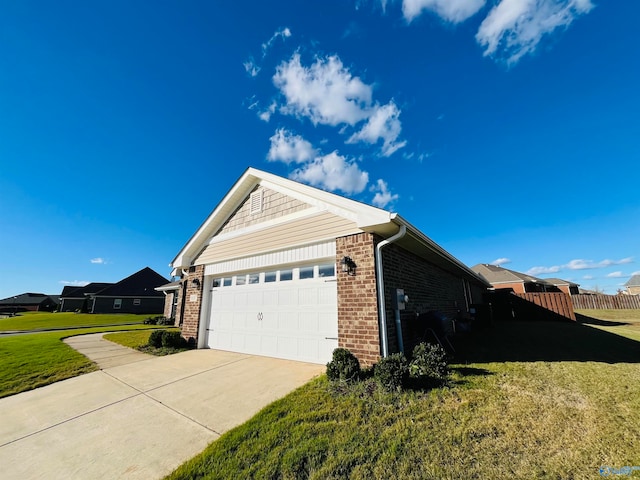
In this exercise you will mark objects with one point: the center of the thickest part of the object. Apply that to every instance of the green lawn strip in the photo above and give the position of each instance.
(33, 360)
(527, 400)
(44, 320)
(140, 341)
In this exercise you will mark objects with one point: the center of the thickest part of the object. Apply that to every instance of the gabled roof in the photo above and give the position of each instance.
(28, 299)
(140, 284)
(81, 292)
(633, 281)
(365, 217)
(496, 275)
(558, 281)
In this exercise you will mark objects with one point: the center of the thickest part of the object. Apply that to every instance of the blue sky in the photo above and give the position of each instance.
(506, 130)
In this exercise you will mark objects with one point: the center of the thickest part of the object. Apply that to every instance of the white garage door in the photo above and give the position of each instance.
(289, 313)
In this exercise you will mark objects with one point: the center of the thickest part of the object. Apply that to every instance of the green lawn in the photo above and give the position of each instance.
(527, 400)
(621, 322)
(36, 359)
(44, 320)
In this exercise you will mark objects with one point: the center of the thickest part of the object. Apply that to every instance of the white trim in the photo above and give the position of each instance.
(255, 202)
(291, 256)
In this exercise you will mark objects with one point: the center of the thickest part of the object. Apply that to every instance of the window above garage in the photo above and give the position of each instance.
(325, 271)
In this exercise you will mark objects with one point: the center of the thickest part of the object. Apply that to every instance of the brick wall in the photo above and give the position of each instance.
(192, 304)
(357, 299)
(428, 287)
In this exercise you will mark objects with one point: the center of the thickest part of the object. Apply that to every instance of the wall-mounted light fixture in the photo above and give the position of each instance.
(348, 266)
(196, 282)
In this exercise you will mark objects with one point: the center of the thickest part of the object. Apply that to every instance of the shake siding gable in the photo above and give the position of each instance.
(274, 205)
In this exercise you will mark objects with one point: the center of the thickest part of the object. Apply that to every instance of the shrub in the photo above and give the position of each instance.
(173, 340)
(391, 371)
(155, 339)
(150, 321)
(343, 366)
(165, 321)
(429, 362)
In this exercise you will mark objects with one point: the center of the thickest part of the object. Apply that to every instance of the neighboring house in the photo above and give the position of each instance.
(134, 294)
(286, 270)
(564, 285)
(633, 285)
(33, 302)
(500, 277)
(76, 299)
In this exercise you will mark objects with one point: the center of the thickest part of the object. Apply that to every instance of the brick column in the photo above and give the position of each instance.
(192, 303)
(357, 299)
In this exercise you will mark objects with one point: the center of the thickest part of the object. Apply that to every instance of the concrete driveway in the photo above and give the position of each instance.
(140, 420)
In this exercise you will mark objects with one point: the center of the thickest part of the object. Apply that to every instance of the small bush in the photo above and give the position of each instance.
(343, 366)
(391, 372)
(173, 340)
(155, 339)
(165, 321)
(150, 321)
(429, 362)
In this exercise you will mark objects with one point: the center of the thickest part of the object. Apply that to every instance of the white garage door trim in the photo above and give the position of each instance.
(287, 312)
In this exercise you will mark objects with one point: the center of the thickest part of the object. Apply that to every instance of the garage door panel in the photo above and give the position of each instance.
(308, 296)
(294, 319)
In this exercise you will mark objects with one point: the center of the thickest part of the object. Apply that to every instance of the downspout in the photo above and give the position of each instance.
(380, 280)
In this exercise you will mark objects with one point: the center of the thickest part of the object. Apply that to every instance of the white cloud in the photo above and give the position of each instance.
(588, 277)
(501, 261)
(616, 275)
(382, 124)
(74, 283)
(282, 33)
(454, 11)
(540, 270)
(516, 27)
(635, 273)
(383, 196)
(98, 260)
(333, 172)
(265, 116)
(251, 67)
(580, 264)
(287, 147)
(326, 92)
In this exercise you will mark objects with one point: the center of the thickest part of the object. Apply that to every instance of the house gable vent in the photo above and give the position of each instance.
(256, 202)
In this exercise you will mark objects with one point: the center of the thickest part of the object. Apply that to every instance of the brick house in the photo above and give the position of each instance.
(287, 270)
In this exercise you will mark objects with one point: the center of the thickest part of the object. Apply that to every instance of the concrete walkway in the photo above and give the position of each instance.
(105, 353)
(139, 420)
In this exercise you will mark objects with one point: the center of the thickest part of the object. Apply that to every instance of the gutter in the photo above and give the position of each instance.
(380, 280)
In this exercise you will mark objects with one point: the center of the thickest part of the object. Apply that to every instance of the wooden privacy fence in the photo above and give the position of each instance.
(610, 302)
(506, 305)
(559, 303)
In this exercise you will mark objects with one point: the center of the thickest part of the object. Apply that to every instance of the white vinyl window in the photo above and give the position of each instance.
(136, 301)
(117, 304)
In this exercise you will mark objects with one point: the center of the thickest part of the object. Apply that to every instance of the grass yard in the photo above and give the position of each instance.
(36, 359)
(139, 340)
(45, 320)
(621, 322)
(527, 400)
